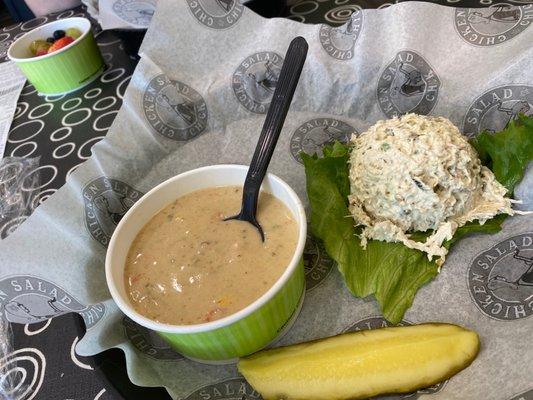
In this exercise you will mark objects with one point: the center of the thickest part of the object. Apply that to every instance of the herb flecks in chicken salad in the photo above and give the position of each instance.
(419, 174)
(391, 271)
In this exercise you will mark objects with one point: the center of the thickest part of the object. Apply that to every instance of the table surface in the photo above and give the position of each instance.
(61, 131)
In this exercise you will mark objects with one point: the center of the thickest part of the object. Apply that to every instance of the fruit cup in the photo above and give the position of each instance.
(65, 70)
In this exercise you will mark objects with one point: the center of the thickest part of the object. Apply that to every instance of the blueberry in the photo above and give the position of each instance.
(59, 34)
(50, 40)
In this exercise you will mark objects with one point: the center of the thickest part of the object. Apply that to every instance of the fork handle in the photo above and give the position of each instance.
(279, 106)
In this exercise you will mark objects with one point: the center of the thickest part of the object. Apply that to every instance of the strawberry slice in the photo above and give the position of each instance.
(60, 43)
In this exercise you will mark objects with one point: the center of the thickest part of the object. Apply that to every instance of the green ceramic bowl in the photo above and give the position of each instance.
(239, 334)
(65, 70)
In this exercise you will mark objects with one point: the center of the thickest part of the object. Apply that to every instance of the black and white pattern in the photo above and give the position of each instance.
(43, 364)
(20, 180)
(408, 83)
(29, 299)
(493, 110)
(255, 80)
(54, 135)
(500, 279)
(216, 14)
(314, 134)
(106, 201)
(337, 12)
(43, 367)
(173, 109)
(230, 389)
(135, 12)
(492, 25)
(339, 42)
(61, 130)
(26, 368)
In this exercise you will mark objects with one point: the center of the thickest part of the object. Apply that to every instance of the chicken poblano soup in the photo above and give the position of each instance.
(189, 266)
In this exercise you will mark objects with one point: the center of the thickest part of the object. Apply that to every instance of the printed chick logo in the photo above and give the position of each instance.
(492, 25)
(106, 201)
(174, 109)
(216, 14)
(500, 279)
(408, 84)
(28, 299)
(255, 80)
(496, 107)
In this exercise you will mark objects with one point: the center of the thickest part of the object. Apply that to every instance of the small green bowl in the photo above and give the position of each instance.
(254, 327)
(65, 70)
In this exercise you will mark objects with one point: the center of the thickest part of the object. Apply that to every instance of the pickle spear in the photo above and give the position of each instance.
(362, 364)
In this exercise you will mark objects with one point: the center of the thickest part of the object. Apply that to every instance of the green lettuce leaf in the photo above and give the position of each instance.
(391, 272)
(507, 153)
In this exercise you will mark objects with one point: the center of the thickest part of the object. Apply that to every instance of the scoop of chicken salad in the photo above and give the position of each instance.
(416, 174)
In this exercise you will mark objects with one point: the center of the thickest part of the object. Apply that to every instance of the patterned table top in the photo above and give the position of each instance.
(61, 131)
(337, 12)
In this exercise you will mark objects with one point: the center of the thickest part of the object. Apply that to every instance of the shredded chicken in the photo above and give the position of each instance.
(418, 174)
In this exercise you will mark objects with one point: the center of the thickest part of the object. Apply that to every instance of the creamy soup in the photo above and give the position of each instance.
(189, 266)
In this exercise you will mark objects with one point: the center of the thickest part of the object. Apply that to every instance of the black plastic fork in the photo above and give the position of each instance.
(279, 106)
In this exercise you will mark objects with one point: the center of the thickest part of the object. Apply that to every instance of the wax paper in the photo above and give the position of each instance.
(122, 14)
(199, 96)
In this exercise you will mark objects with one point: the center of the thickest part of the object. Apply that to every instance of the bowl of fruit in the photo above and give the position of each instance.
(59, 57)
